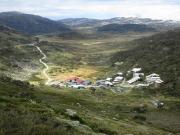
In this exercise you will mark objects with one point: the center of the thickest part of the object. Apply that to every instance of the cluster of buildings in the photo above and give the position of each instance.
(138, 79)
(72, 82)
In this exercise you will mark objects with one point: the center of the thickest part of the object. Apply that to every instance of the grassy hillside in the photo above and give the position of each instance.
(16, 56)
(31, 24)
(159, 53)
(125, 28)
(25, 109)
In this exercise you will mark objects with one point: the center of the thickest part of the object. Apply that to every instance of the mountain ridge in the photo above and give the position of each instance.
(86, 22)
(31, 24)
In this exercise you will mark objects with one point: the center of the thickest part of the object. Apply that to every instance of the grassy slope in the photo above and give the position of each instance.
(16, 56)
(159, 53)
(28, 110)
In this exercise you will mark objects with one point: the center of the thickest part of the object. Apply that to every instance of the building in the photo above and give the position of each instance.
(136, 75)
(154, 79)
(135, 70)
(118, 79)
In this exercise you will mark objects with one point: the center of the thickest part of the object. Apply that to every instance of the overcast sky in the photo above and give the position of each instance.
(58, 9)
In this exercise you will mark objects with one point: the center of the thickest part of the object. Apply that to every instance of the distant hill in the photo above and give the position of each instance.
(159, 53)
(79, 21)
(86, 22)
(124, 28)
(31, 24)
(10, 35)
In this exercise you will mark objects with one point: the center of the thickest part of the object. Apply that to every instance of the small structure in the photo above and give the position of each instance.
(87, 82)
(119, 73)
(154, 79)
(135, 70)
(142, 85)
(108, 79)
(108, 83)
(136, 75)
(158, 104)
(77, 86)
(100, 82)
(118, 79)
(134, 79)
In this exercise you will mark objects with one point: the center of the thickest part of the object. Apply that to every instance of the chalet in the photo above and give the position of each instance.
(118, 79)
(135, 70)
(119, 73)
(154, 79)
(134, 79)
(136, 75)
(108, 79)
(87, 82)
(107, 83)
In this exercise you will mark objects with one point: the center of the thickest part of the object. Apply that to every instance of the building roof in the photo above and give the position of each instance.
(136, 69)
(119, 78)
(120, 73)
(108, 79)
(152, 75)
(134, 79)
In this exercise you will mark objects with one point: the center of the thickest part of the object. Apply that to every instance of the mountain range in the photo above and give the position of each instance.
(86, 22)
(34, 25)
(124, 28)
(31, 24)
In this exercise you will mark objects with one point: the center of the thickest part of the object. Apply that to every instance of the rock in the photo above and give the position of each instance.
(70, 112)
(78, 104)
(115, 119)
(75, 123)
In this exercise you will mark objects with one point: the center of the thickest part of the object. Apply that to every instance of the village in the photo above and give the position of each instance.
(134, 78)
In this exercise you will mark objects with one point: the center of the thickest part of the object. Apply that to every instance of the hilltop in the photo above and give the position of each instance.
(125, 28)
(31, 24)
(88, 22)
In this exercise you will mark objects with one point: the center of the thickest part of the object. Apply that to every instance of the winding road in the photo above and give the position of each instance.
(44, 72)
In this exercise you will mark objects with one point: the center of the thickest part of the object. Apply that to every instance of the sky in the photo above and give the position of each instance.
(100, 9)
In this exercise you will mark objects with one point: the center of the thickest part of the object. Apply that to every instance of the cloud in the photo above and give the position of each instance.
(56, 9)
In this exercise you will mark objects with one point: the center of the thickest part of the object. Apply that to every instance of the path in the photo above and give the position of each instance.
(44, 72)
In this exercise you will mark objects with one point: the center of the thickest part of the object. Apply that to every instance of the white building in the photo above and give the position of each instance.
(119, 73)
(135, 70)
(108, 79)
(136, 76)
(153, 78)
(134, 79)
(108, 83)
(118, 79)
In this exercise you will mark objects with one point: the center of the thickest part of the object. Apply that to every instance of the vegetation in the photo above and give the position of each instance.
(25, 109)
(160, 54)
(125, 28)
(17, 58)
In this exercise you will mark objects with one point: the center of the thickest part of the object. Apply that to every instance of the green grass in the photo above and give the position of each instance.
(16, 57)
(30, 110)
